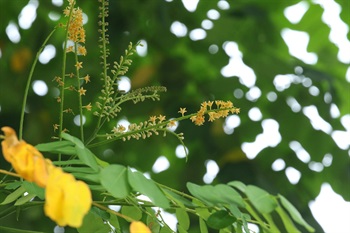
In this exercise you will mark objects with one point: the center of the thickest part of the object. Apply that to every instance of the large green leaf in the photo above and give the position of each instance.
(260, 199)
(147, 187)
(114, 179)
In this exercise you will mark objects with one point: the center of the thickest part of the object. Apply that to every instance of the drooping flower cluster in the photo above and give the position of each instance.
(67, 200)
(223, 108)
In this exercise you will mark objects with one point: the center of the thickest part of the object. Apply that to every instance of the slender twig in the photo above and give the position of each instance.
(20, 134)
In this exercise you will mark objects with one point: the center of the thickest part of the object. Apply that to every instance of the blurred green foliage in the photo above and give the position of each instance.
(192, 75)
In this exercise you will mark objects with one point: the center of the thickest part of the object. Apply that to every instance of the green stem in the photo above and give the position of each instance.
(60, 127)
(79, 94)
(127, 218)
(20, 134)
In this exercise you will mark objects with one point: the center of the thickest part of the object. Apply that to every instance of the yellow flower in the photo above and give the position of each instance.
(182, 111)
(67, 200)
(139, 227)
(81, 91)
(27, 161)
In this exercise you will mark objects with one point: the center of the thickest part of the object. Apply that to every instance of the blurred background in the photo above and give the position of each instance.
(284, 63)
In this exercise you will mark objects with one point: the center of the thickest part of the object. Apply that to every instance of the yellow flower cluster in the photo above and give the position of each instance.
(66, 199)
(222, 110)
(76, 32)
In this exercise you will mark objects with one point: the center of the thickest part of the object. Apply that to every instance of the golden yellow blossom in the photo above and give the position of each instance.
(87, 78)
(182, 111)
(82, 50)
(79, 65)
(161, 118)
(88, 107)
(152, 119)
(67, 200)
(82, 91)
(26, 160)
(139, 227)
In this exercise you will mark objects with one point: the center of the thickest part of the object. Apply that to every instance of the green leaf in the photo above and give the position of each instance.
(93, 223)
(147, 187)
(114, 179)
(87, 157)
(288, 224)
(24, 199)
(183, 218)
(86, 170)
(13, 185)
(68, 162)
(202, 212)
(294, 213)
(132, 211)
(202, 226)
(74, 140)
(87, 177)
(214, 195)
(16, 230)
(261, 199)
(101, 213)
(180, 229)
(235, 211)
(165, 229)
(31, 187)
(84, 154)
(271, 224)
(113, 220)
(13, 196)
(205, 193)
(178, 199)
(220, 219)
(238, 185)
(228, 195)
(63, 147)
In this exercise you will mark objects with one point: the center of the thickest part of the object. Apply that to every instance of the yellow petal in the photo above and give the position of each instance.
(54, 197)
(139, 227)
(67, 200)
(27, 161)
(10, 141)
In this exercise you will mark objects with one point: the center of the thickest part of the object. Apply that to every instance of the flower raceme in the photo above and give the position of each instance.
(223, 108)
(67, 200)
